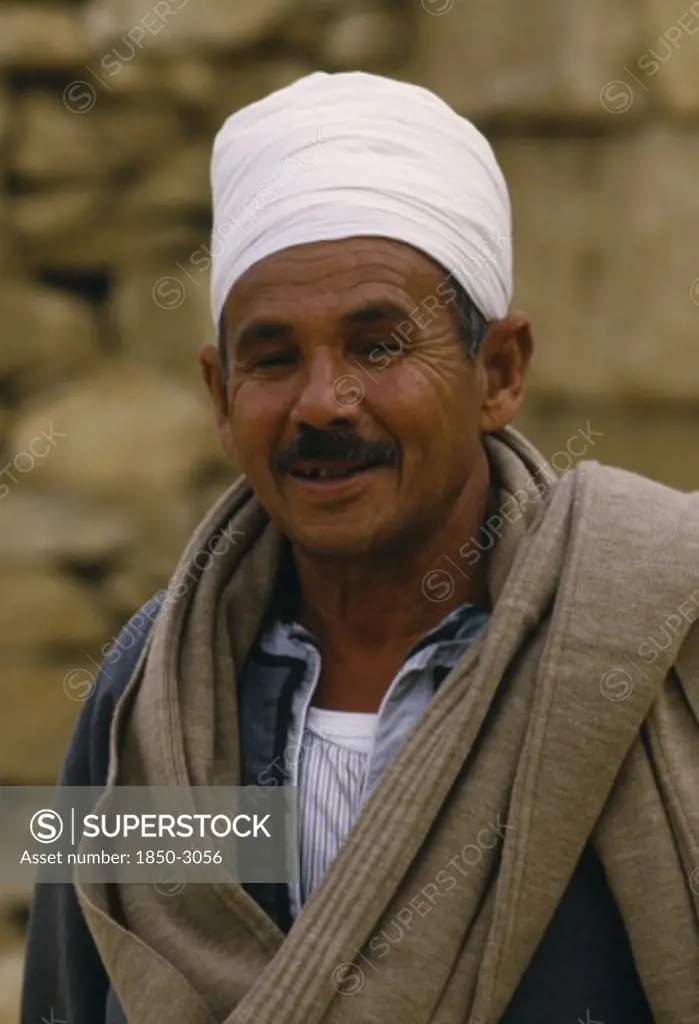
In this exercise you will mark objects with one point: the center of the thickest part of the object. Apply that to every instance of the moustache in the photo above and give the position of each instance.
(341, 445)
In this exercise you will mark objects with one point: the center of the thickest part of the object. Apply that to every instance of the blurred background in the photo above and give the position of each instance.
(107, 114)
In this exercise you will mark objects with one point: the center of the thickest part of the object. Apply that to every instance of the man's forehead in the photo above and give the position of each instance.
(337, 276)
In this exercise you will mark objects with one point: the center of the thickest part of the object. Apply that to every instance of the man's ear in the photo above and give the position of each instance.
(504, 359)
(211, 369)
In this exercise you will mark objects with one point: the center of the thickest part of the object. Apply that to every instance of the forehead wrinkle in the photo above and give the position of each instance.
(366, 253)
(306, 273)
(348, 248)
(376, 279)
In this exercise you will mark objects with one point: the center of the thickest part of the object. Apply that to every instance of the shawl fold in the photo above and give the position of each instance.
(552, 731)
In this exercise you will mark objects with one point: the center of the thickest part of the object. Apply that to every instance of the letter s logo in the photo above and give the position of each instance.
(46, 826)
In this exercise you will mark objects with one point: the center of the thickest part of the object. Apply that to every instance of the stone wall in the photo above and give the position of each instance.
(107, 112)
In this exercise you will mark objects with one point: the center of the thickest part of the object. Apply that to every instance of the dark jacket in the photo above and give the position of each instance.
(583, 970)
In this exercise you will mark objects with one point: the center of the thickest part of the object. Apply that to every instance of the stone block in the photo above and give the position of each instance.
(368, 38)
(649, 295)
(606, 262)
(176, 184)
(54, 529)
(132, 26)
(84, 135)
(47, 335)
(42, 36)
(43, 611)
(562, 225)
(668, 67)
(131, 436)
(540, 59)
(243, 81)
(44, 221)
(39, 705)
(162, 314)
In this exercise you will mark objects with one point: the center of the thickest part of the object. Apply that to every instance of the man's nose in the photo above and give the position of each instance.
(328, 392)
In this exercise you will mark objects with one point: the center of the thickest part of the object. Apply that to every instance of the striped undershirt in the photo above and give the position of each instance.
(332, 768)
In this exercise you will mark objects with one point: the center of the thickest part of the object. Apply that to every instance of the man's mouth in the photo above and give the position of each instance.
(330, 470)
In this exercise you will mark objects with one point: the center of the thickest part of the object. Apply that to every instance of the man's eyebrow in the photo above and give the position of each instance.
(262, 330)
(277, 330)
(375, 313)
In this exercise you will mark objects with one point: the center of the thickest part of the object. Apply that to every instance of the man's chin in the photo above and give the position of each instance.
(335, 539)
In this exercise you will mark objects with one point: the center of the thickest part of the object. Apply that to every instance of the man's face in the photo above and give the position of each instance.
(352, 407)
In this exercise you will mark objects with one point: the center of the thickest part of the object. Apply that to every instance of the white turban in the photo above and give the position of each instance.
(342, 155)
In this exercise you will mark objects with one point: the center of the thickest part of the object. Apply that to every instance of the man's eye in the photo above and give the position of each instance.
(374, 346)
(271, 361)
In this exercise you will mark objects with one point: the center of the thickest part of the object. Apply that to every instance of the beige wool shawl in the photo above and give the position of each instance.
(528, 737)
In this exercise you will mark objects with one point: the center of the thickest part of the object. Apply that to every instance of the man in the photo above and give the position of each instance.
(449, 649)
